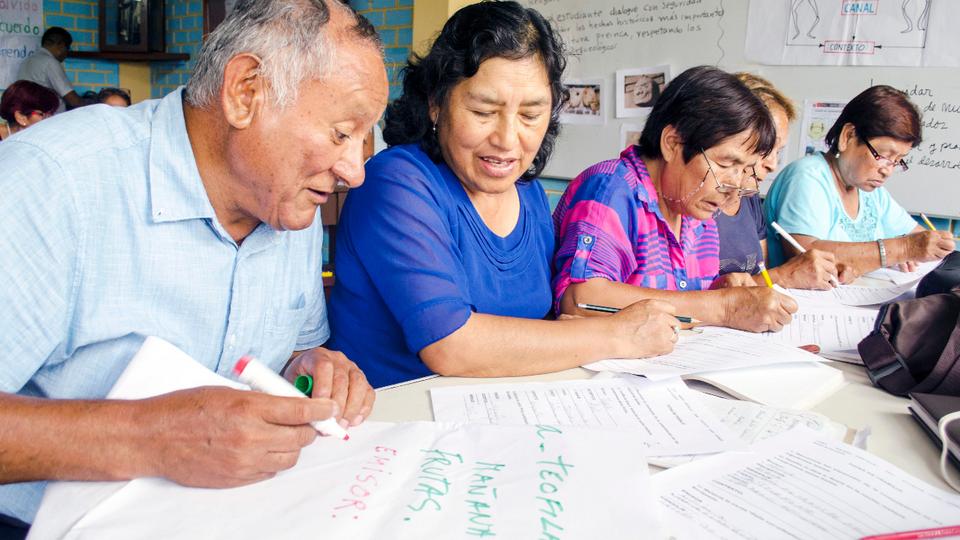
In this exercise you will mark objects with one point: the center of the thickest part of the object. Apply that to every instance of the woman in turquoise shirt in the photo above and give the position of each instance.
(836, 201)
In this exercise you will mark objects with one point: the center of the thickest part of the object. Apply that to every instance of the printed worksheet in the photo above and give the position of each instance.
(837, 331)
(902, 278)
(798, 486)
(852, 295)
(752, 422)
(405, 480)
(710, 350)
(670, 417)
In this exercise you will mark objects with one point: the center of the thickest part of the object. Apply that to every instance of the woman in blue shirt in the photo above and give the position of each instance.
(836, 201)
(741, 226)
(443, 256)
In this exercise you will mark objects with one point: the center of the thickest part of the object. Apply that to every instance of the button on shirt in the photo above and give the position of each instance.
(609, 226)
(108, 237)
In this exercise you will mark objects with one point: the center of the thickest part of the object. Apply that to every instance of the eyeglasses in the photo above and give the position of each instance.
(43, 115)
(750, 182)
(884, 161)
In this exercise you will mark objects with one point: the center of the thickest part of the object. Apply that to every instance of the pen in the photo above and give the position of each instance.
(927, 221)
(304, 383)
(796, 245)
(260, 377)
(937, 532)
(608, 309)
(766, 275)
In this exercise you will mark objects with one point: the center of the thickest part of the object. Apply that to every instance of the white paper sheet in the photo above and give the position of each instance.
(710, 350)
(836, 330)
(753, 422)
(852, 295)
(797, 486)
(408, 480)
(902, 278)
(670, 417)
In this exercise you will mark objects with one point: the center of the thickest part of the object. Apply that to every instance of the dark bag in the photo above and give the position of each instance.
(941, 279)
(915, 346)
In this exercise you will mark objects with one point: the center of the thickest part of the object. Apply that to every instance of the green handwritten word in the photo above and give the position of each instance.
(552, 474)
(482, 494)
(366, 480)
(432, 481)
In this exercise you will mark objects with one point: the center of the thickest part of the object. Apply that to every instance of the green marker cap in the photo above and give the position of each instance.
(304, 383)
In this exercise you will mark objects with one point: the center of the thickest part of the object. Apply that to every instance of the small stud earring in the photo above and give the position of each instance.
(434, 128)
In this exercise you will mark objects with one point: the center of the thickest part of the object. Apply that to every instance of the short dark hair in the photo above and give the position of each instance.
(706, 105)
(472, 35)
(879, 111)
(56, 35)
(104, 93)
(24, 97)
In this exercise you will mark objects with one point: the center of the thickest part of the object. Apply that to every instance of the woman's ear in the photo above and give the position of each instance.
(848, 136)
(23, 120)
(671, 145)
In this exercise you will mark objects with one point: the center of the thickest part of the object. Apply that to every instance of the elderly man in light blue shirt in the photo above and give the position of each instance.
(193, 218)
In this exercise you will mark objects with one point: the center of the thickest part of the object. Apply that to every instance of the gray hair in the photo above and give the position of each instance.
(290, 38)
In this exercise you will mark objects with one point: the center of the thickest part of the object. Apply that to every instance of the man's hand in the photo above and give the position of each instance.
(336, 377)
(220, 437)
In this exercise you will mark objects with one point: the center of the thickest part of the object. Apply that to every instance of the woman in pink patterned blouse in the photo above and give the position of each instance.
(641, 226)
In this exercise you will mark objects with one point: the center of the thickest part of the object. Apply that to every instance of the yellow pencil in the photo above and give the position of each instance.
(927, 221)
(766, 275)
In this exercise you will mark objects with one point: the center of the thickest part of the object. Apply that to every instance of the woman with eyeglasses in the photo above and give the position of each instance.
(641, 226)
(24, 103)
(836, 202)
(741, 225)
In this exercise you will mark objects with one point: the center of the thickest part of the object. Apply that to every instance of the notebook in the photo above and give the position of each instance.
(928, 409)
(788, 386)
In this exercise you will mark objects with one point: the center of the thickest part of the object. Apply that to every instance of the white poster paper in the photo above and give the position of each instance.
(21, 26)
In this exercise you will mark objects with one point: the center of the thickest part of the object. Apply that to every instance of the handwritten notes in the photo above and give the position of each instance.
(753, 422)
(711, 350)
(798, 486)
(669, 416)
(410, 480)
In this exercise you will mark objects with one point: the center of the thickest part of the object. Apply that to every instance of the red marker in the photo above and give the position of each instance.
(260, 377)
(936, 532)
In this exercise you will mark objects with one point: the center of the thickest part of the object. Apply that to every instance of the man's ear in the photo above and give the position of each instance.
(244, 93)
(671, 145)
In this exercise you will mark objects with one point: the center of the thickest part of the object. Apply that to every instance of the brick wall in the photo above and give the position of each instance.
(394, 22)
(184, 35)
(79, 17)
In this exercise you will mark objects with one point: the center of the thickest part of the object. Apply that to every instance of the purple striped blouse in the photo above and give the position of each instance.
(608, 225)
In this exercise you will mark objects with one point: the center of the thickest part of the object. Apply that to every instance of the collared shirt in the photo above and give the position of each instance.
(44, 69)
(107, 236)
(609, 226)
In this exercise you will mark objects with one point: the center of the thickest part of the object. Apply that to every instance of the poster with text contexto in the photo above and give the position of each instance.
(21, 25)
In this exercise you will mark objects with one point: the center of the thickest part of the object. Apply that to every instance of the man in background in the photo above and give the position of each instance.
(45, 67)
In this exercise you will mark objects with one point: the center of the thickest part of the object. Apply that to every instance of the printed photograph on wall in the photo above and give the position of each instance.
(585, 104)
(639, 88)
(629, 135)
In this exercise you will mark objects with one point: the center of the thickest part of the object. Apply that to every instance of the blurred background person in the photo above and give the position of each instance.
(45, 67)
(115, 97)
(25, 103)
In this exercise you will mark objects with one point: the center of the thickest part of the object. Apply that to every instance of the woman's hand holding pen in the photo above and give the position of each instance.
(645, 328)
(815, 269)
(757, 309)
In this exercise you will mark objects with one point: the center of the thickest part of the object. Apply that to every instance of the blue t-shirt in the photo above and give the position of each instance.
(414, 259)
(740, 237)
(804, 200)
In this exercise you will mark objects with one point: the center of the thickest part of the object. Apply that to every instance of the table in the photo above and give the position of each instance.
(895, 436)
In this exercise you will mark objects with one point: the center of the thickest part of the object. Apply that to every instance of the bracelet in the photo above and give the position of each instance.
(883, 253)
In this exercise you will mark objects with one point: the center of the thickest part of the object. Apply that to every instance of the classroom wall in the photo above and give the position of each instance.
(184, 35)
(394, 22)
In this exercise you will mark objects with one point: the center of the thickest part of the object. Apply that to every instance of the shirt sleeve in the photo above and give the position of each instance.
(400, 230)
(595, 233)
(40, 219)
(802, 204)
(894, 219)
(58, 78)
